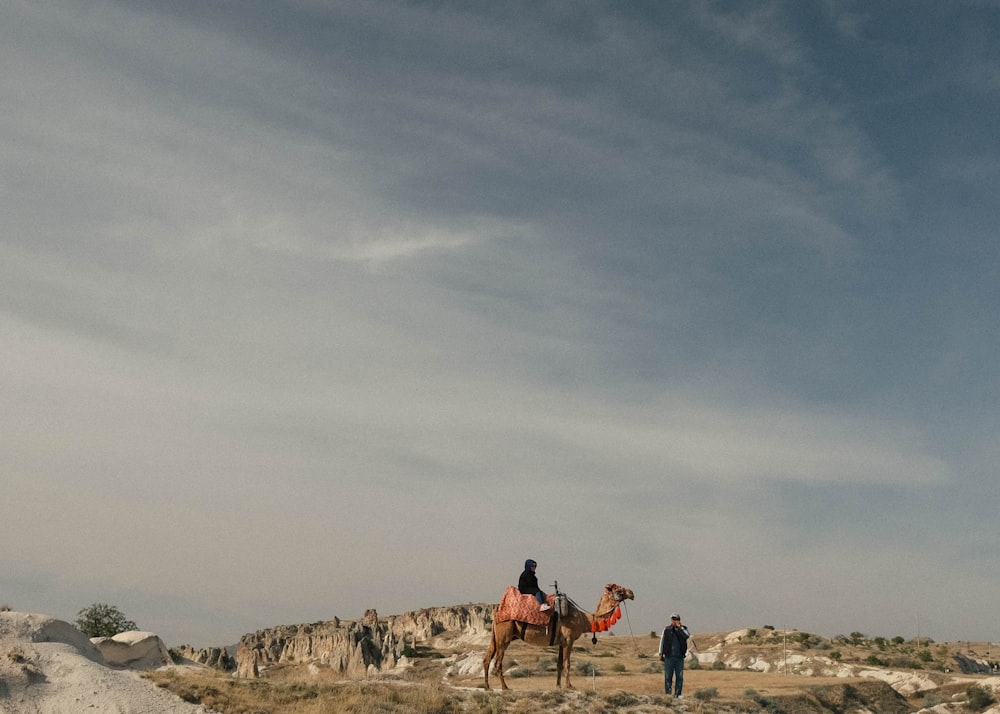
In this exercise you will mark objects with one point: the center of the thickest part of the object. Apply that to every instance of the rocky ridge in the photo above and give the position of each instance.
(365, 646)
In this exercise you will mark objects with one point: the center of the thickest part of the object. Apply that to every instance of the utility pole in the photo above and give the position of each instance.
(784, 648)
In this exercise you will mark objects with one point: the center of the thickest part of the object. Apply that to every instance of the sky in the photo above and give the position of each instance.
(309, 307)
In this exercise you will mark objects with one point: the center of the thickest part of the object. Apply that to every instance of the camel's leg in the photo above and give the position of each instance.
(559, 667)
(489, 658)
(569, 651)
(498, 667)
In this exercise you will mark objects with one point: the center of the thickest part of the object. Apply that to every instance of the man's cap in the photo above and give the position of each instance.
(674, 616)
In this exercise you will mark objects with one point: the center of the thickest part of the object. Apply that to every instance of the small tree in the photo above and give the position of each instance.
(101, 620)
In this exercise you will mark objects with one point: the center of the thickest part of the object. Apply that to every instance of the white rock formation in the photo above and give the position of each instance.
(50, 667)
(134, 649)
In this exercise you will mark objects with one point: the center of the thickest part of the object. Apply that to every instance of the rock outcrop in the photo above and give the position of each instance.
(973, 665)
(361, 647)
(47, 665)
(214, 657)
(134, 649)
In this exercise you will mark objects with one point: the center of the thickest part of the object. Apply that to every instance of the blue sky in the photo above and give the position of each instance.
(309, 307)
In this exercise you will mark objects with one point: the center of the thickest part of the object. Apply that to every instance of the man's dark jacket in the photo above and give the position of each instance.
(528, 583)
(674, 642)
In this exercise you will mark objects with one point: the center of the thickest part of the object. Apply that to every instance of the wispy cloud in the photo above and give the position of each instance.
(642, 285)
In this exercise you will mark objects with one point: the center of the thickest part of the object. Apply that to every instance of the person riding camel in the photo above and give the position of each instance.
(527, 584)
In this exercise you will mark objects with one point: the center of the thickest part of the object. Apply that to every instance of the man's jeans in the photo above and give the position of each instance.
(673, 667)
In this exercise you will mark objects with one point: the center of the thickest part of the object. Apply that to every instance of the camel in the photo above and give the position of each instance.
(569, 628)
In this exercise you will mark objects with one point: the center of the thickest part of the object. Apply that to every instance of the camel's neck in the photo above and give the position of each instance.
(606, 605)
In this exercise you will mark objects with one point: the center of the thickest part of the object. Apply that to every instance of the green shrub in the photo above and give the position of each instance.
(102, 620)
(718, 664)
(618, 667)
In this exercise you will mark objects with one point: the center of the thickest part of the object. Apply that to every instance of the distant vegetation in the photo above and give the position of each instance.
(102, 620)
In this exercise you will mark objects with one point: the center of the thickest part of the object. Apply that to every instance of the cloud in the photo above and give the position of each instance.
(304, 287)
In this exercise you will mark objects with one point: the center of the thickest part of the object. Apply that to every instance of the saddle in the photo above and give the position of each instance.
(523, 608)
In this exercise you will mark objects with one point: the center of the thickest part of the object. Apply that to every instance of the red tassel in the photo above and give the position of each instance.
(593, 627)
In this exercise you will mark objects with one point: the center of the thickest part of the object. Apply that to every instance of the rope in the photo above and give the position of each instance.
(629, 623)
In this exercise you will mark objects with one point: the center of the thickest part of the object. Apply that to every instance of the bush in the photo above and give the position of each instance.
(707, 694)
(979, 697)
(519, 673)
(620, 700)
(101, 620)
(765, 703)
(546, 664)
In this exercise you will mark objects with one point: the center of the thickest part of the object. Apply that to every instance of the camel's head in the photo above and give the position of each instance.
(618, 592)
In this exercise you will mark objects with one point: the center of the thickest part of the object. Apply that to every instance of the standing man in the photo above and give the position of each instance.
(527, 584)
(673, 650)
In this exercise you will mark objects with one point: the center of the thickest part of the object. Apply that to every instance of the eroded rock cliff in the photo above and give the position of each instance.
(359, 647)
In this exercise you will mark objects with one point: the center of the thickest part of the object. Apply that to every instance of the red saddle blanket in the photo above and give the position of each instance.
(523, 608)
